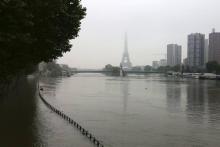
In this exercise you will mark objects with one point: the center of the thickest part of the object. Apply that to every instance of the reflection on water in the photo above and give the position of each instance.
(173, 97)
(125, 92)
(135, 111)
(196, 100)
(213, 103)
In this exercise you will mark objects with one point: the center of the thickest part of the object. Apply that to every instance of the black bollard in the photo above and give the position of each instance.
(97, 143)
(86, 133)
(90, 136)
(71, 121)
(94, 140)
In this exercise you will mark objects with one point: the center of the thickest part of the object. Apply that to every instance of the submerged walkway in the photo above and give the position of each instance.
(83, 131)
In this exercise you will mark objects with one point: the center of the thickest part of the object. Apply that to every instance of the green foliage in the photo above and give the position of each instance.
(136, 68)
(213, 67)
(52, 69)
(35, 31)
(108, 67)
(114, 70)
(176, 68)
(148, 68)
(164, 69)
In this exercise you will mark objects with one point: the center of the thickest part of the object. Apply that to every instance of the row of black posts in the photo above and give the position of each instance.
(84, 132)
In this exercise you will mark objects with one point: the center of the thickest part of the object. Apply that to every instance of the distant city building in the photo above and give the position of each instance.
(214, 46)
(174, 54)
(125, 62)
(196, 50)
(206, 52)
(185, 62)
(163, 62)
(155, 64)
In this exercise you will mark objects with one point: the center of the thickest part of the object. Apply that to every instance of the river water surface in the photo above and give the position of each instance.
(134, 111)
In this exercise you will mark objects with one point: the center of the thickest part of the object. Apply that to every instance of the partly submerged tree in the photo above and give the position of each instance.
(32, 31)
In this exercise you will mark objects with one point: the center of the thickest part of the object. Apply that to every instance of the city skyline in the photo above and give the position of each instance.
(152, 26)
(182, 57)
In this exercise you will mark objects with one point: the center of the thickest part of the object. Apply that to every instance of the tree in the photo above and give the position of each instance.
(148, 68)
(162, 69)
(112, 70)
(35, 31)
(136, 68)
(115, 71)
(213, 66)
(54, 69)
(108, 67)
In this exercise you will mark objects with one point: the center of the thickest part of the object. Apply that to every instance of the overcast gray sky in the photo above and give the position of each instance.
(150, 25)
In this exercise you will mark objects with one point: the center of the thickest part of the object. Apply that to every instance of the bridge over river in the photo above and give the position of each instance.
(106, 71)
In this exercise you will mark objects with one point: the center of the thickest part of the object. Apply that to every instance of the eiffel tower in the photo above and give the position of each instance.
(125, 62)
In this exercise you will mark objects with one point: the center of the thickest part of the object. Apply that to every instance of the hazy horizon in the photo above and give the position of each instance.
(150, 26)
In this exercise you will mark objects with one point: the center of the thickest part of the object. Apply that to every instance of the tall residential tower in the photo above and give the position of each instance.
(174, 54)
(214, 46)
(196, 50)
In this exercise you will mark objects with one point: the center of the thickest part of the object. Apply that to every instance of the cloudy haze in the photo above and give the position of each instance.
(150, 25)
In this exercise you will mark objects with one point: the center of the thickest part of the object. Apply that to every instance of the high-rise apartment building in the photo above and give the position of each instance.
(155, 64)
(206, 52)
(214, 46)
(196, 50)
(163, 62)
(185, 62)
(174, 54)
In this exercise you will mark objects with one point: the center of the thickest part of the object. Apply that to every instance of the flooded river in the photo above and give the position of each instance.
(135, 111)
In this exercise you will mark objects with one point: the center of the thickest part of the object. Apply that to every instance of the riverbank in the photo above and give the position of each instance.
(202, 76)
(27, 122)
